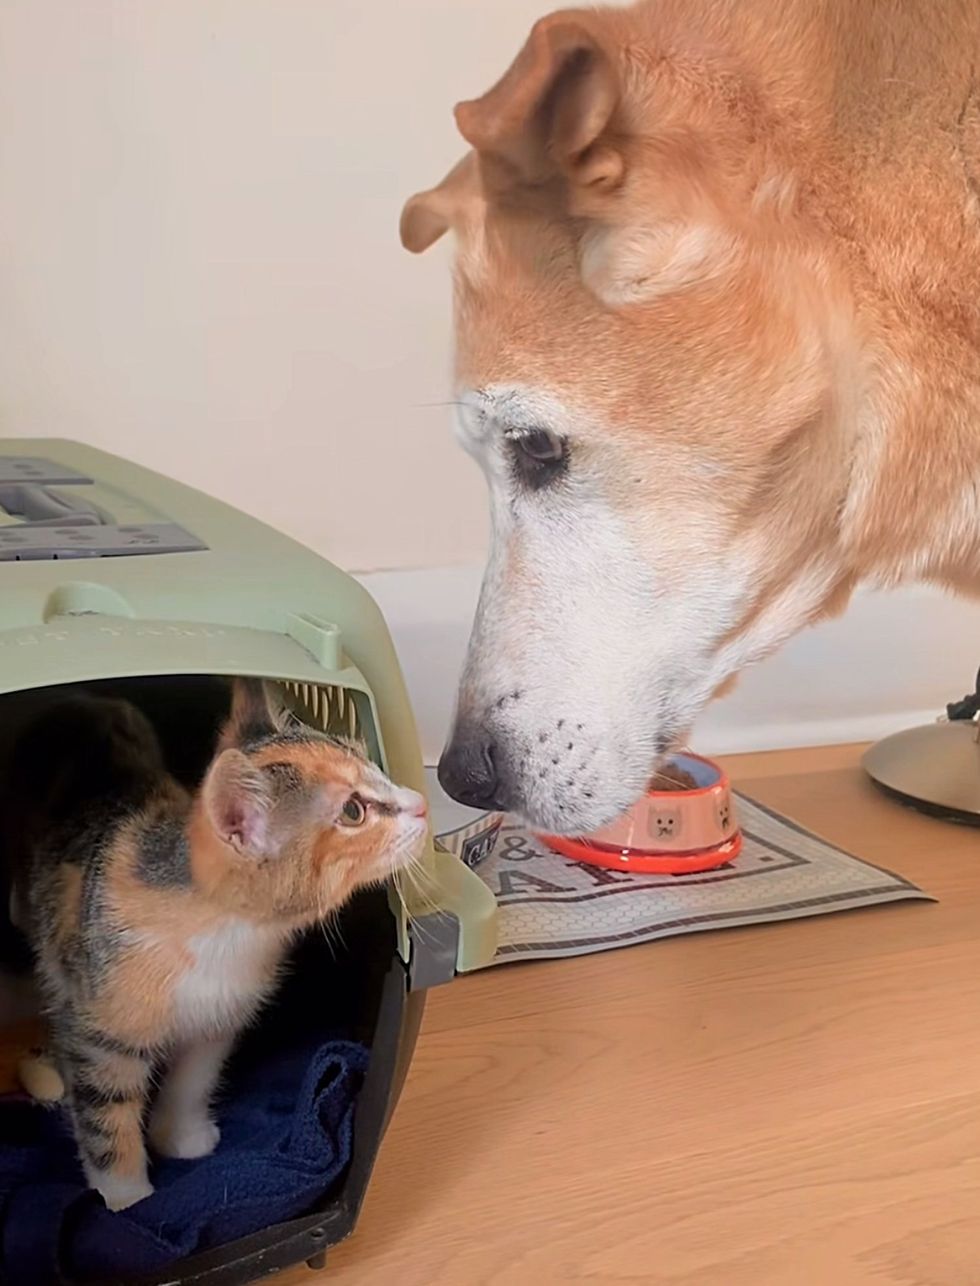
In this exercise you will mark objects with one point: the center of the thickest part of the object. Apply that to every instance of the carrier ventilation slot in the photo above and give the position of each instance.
(337, 711)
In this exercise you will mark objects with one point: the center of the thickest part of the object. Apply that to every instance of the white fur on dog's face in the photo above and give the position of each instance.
(603, 625)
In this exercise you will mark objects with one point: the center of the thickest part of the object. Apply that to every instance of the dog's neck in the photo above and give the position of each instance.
(902, 108)
(873, 116)
(913, 509)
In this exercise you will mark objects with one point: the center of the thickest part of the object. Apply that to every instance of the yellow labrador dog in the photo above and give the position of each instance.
(718, 330)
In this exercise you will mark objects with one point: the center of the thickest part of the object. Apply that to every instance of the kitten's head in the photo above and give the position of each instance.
(301, 820)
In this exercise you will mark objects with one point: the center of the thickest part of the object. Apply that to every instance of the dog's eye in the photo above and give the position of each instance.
(542, 446)
(539, 456)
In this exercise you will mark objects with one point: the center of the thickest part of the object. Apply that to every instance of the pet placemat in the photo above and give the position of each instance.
(550, 907)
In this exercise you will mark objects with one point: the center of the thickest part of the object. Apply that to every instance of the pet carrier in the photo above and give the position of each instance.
(115, 578)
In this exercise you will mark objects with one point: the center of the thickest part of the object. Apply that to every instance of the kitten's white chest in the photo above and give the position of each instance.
(233, 968)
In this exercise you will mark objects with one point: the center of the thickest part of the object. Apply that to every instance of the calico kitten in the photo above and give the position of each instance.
(159, 918)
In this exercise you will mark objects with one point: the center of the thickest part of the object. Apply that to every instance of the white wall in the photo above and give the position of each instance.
(199, 267)
(199, 258)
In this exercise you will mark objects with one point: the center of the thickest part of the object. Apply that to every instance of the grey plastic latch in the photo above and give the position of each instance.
(35, 469)
(434, 948)
(32, 543)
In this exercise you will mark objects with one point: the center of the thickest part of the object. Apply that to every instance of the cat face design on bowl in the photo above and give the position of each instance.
(724, 810)
(665, 823)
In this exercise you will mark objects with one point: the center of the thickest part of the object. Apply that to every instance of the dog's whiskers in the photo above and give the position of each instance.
(431, 405)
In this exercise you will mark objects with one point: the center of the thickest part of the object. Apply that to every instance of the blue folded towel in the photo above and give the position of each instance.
(286, 1125)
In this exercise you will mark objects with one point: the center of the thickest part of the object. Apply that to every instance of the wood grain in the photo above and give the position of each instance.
(789, 1105)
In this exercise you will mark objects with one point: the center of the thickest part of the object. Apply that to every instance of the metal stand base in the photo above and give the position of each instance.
(935, 769)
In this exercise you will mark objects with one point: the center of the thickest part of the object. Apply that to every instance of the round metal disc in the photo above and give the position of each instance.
(935, 768)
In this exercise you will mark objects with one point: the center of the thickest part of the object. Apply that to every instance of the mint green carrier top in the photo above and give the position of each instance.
(108, 571)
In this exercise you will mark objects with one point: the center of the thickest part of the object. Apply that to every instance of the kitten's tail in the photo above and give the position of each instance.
(40, 1078)
(36, 1071)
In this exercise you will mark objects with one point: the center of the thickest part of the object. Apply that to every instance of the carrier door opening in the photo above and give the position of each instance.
(337, 993)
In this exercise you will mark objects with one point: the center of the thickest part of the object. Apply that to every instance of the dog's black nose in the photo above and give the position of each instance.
(468, 770)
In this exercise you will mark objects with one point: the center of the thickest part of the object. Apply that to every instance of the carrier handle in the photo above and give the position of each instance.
(41, 507)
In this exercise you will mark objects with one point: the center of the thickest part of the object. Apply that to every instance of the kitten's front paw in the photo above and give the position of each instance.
(186, 1139)
(121, 1191)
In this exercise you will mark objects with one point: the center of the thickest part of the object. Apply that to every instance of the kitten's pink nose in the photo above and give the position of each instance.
(418, 806)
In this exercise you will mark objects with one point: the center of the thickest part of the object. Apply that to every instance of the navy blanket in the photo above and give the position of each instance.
(286, 1122)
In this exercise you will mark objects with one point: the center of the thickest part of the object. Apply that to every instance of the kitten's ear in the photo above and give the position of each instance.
(251, 714)
(237, 803)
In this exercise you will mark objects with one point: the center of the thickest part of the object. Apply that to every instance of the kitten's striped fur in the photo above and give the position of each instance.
(160, 918)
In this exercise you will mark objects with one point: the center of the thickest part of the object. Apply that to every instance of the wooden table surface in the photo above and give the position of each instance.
(789, 1105)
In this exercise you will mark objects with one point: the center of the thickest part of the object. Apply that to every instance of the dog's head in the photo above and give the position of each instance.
(656, 369)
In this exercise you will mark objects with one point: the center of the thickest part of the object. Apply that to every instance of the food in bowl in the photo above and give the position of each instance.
(670, 779)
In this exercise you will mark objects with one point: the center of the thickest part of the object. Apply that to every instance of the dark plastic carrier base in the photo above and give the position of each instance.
(369, 996)
(397, 1017)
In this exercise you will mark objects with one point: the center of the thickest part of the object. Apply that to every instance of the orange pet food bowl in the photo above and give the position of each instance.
(677, 831)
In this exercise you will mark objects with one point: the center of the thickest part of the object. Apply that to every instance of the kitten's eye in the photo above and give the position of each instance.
(539, 457)
(353, 812)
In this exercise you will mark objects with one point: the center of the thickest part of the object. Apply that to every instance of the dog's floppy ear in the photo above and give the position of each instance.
(427, 215)
(548, 115)
(552, 108)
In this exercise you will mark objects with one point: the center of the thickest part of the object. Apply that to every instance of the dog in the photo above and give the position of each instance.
(717, 301)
